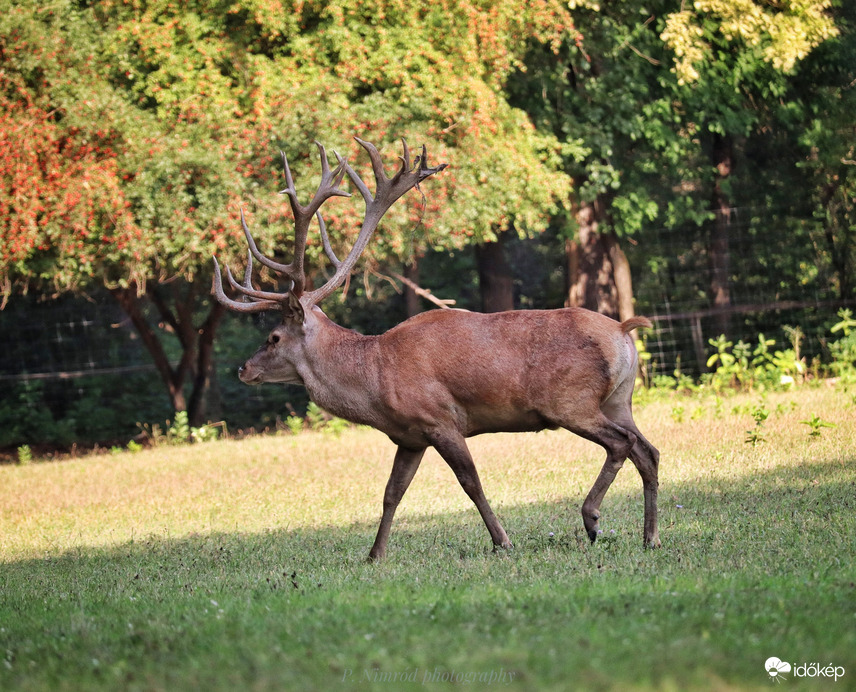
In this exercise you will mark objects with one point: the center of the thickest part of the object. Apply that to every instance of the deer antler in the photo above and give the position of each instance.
(387, 191)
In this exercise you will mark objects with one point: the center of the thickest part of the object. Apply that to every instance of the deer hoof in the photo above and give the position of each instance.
(653, 543)
(592, 526)
(592, 534)
(375, 557)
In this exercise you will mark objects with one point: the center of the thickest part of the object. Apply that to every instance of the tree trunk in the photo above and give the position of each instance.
(839, 238)
(621, 276)
(198, 405)
(598, 270)
(495, 277)
(197, 343)
(718, 250)
(127, 298)
(412, 302)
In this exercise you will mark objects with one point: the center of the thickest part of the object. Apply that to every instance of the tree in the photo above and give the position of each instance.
(732, 61)
(826, 132)
(158, 191)
(171, 117)
(591, 97)
(653, 103)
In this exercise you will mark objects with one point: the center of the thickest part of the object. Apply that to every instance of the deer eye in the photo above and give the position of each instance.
(274, 338)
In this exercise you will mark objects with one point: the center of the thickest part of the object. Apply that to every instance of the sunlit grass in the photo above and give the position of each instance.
(241, 564)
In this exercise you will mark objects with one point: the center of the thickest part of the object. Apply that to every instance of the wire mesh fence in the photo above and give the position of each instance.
(778, 277)
(74, 368)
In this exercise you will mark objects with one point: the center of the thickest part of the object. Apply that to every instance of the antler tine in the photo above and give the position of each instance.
(254, 250)
(377, 162)
(328, 187)
(356, 180)
(220, 295)
(289, 190)
(424, 171)
(405, 158)
(254, 293)
(325, 240)
(248, 272)
(325, 164)
(330, 180)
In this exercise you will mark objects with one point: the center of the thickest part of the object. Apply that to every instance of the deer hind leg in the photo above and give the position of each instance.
(644, 456)
(403, 469)
(453, 449)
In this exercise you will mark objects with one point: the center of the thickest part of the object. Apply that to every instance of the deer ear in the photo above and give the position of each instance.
(292, 309)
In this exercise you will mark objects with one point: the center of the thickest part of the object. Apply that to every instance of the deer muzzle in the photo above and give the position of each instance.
(249, 374)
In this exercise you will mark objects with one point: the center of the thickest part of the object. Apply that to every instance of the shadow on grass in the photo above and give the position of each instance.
(750, 568)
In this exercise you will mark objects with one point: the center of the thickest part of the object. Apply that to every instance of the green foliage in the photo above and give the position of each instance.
(316, 417)
(178, 432)
(755, 436)
(172, 115)
(779, 34)
(845, 323)
(816, 425)
(294, 424)
(843, 350)
(743, 367)
(132, 446)
(336, 426)
(318, 420)
(740, 367)
(205, 433)
(25, 455)
(25, 417)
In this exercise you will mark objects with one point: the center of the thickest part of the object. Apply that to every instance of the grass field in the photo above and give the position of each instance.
(241, 564)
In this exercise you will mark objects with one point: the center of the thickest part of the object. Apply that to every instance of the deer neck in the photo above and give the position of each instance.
(340, 370)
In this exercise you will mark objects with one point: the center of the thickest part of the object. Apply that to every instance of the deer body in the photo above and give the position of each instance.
(478, 373)
(446, 375)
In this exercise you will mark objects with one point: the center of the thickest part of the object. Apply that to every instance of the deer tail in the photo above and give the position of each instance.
(634, 323)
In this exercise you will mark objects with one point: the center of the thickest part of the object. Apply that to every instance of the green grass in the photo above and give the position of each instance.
(241, 564)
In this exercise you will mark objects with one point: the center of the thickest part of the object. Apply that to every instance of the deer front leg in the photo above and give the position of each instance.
(403, 469)
(453, 449)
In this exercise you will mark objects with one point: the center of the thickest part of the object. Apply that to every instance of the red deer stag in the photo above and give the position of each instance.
(446, 375)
